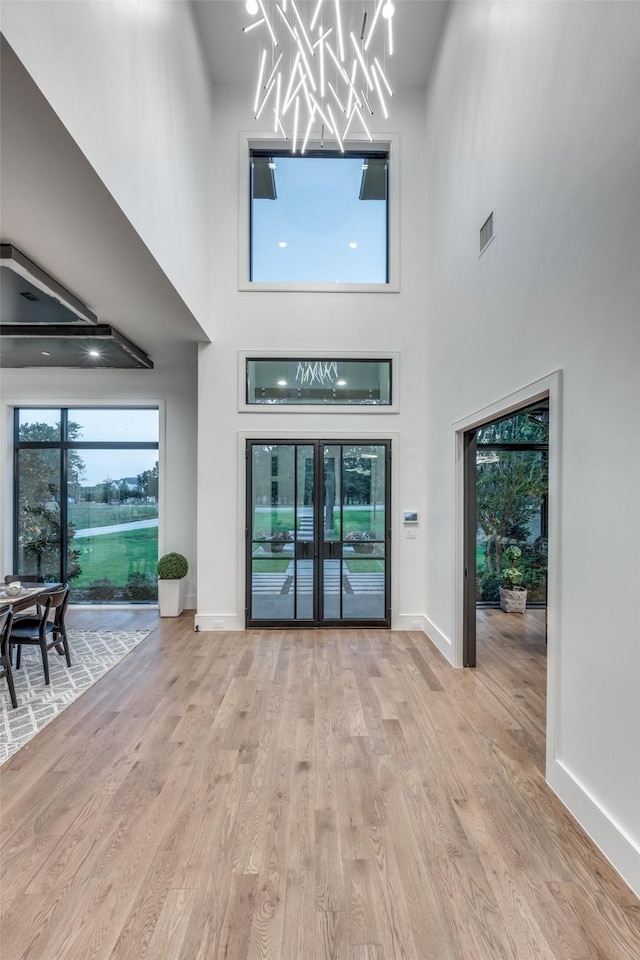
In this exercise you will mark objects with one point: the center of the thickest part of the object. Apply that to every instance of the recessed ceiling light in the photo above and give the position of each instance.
(45, 353)
(282, 244)
(251, 7)
(282, 383)
(388, 11)
(341, 383)
(353, 245)
(94, 353)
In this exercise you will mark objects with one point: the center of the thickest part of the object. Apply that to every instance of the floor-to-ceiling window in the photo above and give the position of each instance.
(86, 500)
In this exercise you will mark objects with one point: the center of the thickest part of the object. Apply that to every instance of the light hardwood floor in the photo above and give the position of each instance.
(303, 796)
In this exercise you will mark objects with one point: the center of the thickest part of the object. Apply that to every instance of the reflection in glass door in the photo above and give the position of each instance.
(318, 534)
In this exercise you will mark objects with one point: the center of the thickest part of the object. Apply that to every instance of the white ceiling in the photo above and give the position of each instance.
(56, 209)
(232, 55)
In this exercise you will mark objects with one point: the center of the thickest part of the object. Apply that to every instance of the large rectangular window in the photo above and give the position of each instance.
(319, 218)
(86, 500)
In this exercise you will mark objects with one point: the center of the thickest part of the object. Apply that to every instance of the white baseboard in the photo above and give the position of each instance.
(408, 621)
(439, 640)
(620, 849)
(213, 621)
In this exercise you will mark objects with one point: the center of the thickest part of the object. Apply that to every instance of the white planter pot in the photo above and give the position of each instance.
(513, 601)
(171, 597)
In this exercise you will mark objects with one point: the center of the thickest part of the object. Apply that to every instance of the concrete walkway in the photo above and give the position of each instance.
(115, 528)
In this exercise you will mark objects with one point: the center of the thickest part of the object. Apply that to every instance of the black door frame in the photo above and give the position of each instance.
(469, 527)
(321, 549)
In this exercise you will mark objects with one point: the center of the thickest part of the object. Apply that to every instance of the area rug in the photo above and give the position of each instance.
(93, 653)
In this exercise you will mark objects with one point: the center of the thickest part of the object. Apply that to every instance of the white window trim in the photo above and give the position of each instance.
(265, 141)
(318, 409)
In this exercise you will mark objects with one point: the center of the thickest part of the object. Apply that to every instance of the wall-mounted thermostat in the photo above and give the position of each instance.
(410, 516)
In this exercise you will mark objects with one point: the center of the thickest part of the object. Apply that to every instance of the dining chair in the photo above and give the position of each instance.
(41, 631)
(24, 578)
(6, 621)
(32, 578)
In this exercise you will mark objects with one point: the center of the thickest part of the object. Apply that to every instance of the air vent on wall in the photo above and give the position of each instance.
(486, 233)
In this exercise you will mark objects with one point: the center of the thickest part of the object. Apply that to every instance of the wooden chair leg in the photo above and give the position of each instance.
(45, 661)
(6, 663)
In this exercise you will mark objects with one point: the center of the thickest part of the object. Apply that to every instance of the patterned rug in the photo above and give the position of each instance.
(93, 653)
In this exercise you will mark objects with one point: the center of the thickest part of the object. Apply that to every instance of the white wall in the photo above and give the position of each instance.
(173, 387)
(305, 322)
(533, 112)
(129, 82)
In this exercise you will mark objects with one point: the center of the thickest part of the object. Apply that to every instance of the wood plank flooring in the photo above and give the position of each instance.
(321, 795)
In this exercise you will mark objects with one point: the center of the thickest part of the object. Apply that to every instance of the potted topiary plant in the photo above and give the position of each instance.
(172, 569)
(513, 596)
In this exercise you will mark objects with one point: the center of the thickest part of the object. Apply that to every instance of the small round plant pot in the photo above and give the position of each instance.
(513, 601)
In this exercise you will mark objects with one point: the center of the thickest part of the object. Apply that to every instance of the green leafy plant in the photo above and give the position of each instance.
(172, 566)
(359, 536)
(140, 588)
(102, 590)
(512, 575)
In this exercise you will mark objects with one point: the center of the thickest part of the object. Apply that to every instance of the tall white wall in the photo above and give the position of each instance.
(533, 112)
(173, 387)
(305, 322)
(129, 82)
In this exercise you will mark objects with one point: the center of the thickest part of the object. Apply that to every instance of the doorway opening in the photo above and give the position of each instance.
(506, 480)
(318, 533)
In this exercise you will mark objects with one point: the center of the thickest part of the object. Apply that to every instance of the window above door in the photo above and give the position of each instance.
(313, 382)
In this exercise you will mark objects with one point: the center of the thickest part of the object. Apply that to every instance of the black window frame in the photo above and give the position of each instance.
(369, 153)
(64, 445)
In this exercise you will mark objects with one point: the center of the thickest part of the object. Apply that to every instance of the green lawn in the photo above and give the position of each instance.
(116, 555)
(83, 515)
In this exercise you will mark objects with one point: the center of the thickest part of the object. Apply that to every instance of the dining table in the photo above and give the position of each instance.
(27, 597)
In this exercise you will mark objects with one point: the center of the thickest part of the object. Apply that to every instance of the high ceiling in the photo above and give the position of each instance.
(231, 55)
(58, 212)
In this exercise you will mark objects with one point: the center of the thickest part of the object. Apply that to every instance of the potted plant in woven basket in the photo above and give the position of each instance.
(172, 569)
(361, 540)
(513, 596)
(273, 541)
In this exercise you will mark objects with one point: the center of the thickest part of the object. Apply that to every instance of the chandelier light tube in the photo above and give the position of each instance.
(263, 61)
(335, 127)
(340, 36)
(302, 27)
(383, 106)
(381, 74)
(296, 116)
(251, 26)
(299, 46)
(288, 96)
(268, 22)
(316, 13)
(336, 97)
(287, 22)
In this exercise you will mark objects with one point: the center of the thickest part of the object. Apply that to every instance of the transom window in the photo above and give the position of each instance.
(319, 218)
(325, 382)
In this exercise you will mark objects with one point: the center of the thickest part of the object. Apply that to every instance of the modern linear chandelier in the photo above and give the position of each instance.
(322, 64)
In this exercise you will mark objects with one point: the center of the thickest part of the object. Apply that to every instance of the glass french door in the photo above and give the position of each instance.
(318, 533)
